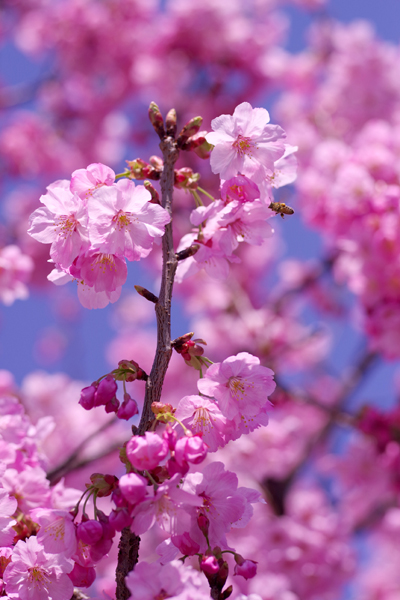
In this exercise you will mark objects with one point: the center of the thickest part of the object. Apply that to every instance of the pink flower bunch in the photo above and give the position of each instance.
(93, 224)
(44, 553)
(250, 156)
(233, 401)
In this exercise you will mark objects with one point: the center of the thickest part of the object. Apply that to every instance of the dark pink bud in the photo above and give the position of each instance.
(87, 397)
(89, 532)
(106, 390)
(133, 487)
(118, 499)
(108, 529)
(185, 544)
(209, 565)
(97, 551)
(147, 451)
(203, 523)
(112, 406)
(120, 519)
(128, 408)
(174, 467)
(245, 567)
(190, 449)
(82, 576)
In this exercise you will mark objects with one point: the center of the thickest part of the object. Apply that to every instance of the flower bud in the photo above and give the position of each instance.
(106, 391)
(191, 128)
(170, 122)
(155, 198)
(82, 576)
(87, 397)
(209, 565)
(156, 120)
(245, 567)
(90, 532)
(133, 487)
(128, 408)
(146, 452)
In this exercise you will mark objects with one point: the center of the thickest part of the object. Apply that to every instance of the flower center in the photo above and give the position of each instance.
(237, 388)
(201, 419)
(122, 220)
(38, 577)
(65, 225)
(244, 146)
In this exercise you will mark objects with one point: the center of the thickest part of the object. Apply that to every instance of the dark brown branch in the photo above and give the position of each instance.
(129, 543)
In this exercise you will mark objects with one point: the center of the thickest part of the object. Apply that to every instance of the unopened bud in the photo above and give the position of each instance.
(185, 179)
(200, 146)
(146, 294)
(170, 122)
(155, 198)
(139, 169)
(204, 524)
(191, 251)
(226, 593)
(156, 162)
(191, 128)
(156, 120)
(104, 484)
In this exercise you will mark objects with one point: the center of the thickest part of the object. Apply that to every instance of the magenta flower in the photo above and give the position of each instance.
(133, 487)
(34, 575)
(240, 385)
(244, 143)
(123, 221)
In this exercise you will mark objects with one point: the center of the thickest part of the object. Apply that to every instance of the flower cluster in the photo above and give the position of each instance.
(251, 158)
(93, 224)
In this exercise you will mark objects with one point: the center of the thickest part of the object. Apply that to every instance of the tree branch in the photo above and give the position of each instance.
(129, 543)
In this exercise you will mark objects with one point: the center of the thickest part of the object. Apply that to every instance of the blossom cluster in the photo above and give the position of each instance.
(251, 158)
(94, 224)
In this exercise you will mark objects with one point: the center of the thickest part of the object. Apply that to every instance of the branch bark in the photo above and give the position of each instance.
(129, 543)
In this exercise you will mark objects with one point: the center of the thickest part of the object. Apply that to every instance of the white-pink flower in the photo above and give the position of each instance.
(57, 531)
(123, 221)
(85, 181)
(34, 574)
(62, 222)
(240, 385)
(173, 580)
(15, 270)
(245, 143)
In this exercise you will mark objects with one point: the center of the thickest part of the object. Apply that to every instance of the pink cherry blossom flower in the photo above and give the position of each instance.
(147, 451)
(203, 416)
(240, 385)
(223, 503)
(82, 576)
(245, 143)
(123, 221)
(209, 257)
(62, 222)
(34, 574)
(173, 580)
(166, 506)
(57, 531)
(85, 181)
(239, 188)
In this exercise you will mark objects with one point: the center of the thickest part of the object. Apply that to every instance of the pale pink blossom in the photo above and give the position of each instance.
(123, 221)
(85, 181)
(244, 143)
(62, 222)
(240, 385)
(57, 531)
(173, 580)
(33, 574)
(8, 506)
